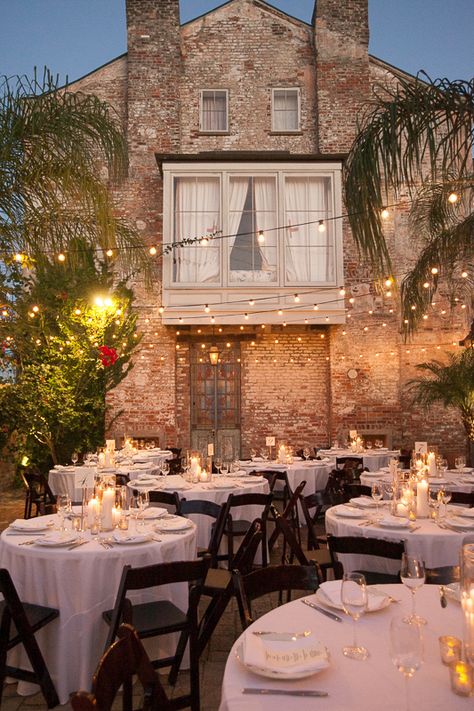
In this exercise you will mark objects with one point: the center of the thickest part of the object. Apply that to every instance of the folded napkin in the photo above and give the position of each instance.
(257, 459)
(300, 655)
(465, 513)
(123, 537)
(362, 501)
(394, 521)
(29, 524)
(459, 522)
(346, 512)
(331, 590)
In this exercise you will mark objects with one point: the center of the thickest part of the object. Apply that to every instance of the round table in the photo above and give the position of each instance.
(358, 686)
(372, 459)
(67, 479)
(455, 480)
(82, 583)
(425, 539)
(217, 490)
(315, 472)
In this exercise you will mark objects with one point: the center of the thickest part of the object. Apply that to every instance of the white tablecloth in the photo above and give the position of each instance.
(455, 480)
(436, 546)
(372, 459)
(65, 480)
(353, 685)
(314, 472)
(82, 583)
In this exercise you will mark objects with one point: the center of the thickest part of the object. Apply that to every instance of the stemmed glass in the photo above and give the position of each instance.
(253, 454)
(143, 503)
(377, 494)
(444, 497)
(460, 463)
(412, 574)
(224, 468)
(406, 650)
(354, 602)
(164, 468)
(63, 506)
(218, 464)
(306, 453)
(74, 458)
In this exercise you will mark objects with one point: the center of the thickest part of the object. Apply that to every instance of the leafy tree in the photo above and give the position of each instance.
(60, 354)
(418, 137)
(60, 153)
(452, 384)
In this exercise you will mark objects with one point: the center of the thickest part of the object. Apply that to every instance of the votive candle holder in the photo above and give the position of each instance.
(450, 649)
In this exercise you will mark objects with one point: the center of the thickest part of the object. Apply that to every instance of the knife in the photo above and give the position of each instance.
(24, 533)
(323, 611)
(285, 692)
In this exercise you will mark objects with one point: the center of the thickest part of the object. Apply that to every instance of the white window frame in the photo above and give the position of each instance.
(201, 111)
(281, 292)
(297, 90)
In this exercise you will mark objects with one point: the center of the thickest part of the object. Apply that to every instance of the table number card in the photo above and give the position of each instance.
(210, 450)
(269, 441)
(84, 479)
(421, 447)
(352, 434)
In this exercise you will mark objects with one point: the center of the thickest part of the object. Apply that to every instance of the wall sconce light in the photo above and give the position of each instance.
(214, 355)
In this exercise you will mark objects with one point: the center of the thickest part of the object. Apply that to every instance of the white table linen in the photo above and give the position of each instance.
(82, 583)
(454, 480)
(373, 459)
(436, 546)
(65, 480)
(315, 472)
(353, 685)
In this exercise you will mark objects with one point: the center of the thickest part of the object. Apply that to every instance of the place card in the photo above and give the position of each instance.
(269, 441)
(421, 447)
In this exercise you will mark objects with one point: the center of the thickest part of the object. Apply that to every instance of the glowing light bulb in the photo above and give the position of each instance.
(152, 251)
(453, 198)
(207, 309)
(35, 309)
(316, 307)
(351, 300)
(464, 275)
(297, 298)
(19, 257)
(204, 242)
(213, 320)
(385, 214)
(342, 291)
(251, 302)
(388, 282)
(260, 237)
(246, 317)
(321, 226)
(161, 309)
(434, 270)
(110, 252)
(280, 312)
(77, 312)
(426, 285)
(61, 257)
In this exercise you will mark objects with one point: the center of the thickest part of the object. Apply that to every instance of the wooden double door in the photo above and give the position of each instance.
(215, 400)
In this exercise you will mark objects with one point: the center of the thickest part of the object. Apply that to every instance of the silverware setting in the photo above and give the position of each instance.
(285, 692)
(27, 543)
(24, 533)
(282, 636)
(331, 615)
(78, 543)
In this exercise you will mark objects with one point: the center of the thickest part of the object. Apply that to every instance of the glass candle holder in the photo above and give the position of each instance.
(461, 678)
(450, 649)
(467, 599)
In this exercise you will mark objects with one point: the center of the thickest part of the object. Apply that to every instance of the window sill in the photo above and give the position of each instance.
(214, 133)
(285, 133)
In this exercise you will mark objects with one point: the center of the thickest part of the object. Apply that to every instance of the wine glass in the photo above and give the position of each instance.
(377, 494)
(143, 503)
(253, 454)
(63, 506)
(74, 458)
(412, 574)
(306, 453)
(368, 444)
(218, 464)
(444, 497)
(224, 468)
(164, 469)
(354, 602)
(460, 463)
(406, 650)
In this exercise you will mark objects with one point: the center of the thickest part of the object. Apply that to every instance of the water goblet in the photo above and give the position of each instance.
(460, 463)
(368, 444)
(377, 494)
(224, 468)
(306, 453)
(63, 506)
(218, 464)
(74, 458)
(143, 503)
(354, 602)
(406, 650)
(412, 574)
(164, 468)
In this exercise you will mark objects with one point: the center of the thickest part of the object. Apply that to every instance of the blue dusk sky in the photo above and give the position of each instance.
(73, 37)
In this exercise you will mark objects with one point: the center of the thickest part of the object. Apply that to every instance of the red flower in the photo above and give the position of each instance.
(108, 356)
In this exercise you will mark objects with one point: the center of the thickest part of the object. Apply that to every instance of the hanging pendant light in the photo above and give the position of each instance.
(214, 355)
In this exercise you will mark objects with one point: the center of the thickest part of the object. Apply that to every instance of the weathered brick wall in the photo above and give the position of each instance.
(248, 48)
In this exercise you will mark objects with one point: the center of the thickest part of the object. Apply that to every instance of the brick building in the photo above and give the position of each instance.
(238, 123)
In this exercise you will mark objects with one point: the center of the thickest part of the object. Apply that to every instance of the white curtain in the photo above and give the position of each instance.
(306, 252)
(265, 212)
(237, 193)
(197, 214)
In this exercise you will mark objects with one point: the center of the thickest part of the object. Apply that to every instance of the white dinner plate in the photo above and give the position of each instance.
(461, 523)
(345, 512)
(31, 524)
(280, 673)
(58, 538)
(126, 539)
(376, 600)
(153, 512)
(174, 524)
(465, 513)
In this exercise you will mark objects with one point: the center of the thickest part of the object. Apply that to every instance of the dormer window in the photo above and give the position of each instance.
(214, 111)
(285, 110)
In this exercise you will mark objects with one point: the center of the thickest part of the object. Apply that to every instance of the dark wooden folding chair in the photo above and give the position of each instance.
(273, 578)
(38, 494)
(160, 617)
(443, 576)
(238, 528)
(170, 499)
(219, 585)
(123, 660)
(18, 623)
(463, 497)
(290, 514)
(352, 491)
(283, 491)
(217, 513)
(371, 547)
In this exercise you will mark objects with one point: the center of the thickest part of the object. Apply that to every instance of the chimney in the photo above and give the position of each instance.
(341, 29)
(154, 74)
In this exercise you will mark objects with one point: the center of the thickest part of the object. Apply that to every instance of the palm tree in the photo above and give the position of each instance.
(452, 384)
(418, 137)
(54, 146)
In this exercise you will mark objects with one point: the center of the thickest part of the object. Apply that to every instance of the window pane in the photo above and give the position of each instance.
(214, 111)
(285, 110)
(252, 207)
(196, 213)
(309, 253)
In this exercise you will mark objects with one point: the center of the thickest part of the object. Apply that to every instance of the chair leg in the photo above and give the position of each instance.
(178, 657)
(211, 617)
(194, 671)
(40, 669)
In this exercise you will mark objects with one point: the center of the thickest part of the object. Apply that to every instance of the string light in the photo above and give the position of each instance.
(35, 309)
(426, 285)
(246, 316)
(206, 308)
(280, 312)
(453, 198)
(297, 298)
(61, 257)
(434, 270)
(260, 237)
(152, 251)
(464, 275)
(342, 291)
(19, 258)
(204, 242)
(251, 302)
(385, 214)
(110, 252)
(321, 226)
(315, 307)
(388, 282)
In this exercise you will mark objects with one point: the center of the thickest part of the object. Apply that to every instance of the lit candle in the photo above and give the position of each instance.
(422, 500)
(461, 678)
(431, 461)
(116, 514)
(108, 502)
(203, 476)
(450, 649)
(194, 466)
(101, 459)
(93, 508)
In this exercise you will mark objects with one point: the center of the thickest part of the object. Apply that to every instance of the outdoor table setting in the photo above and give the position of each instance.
(302, 651)
(216, 489)
(455, 479)
(314, 471)
(78, 572)
(372, 459)
(68, 479)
